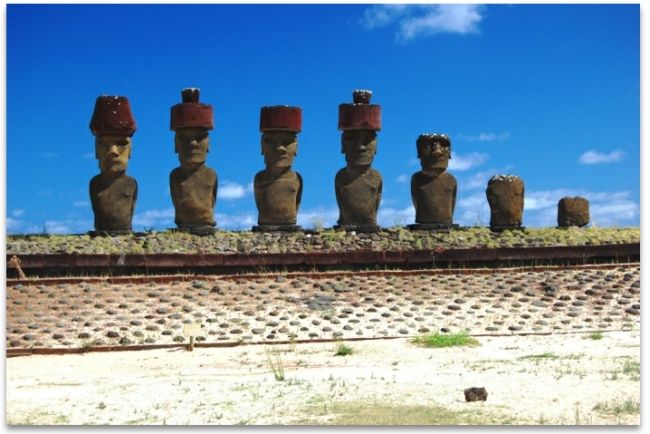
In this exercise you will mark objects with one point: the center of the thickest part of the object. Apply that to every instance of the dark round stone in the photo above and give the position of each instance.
(112, 334)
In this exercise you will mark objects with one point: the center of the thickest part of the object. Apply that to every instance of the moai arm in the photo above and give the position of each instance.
(257, 191)
(338, 193)
(172, 190)
(453, 199)
(214, 190)
(381, 183)
(135, 198)
(299, 195)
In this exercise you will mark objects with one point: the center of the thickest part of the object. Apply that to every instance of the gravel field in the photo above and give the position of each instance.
(314, 241)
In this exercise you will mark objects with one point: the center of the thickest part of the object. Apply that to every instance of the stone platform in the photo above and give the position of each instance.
(337, 306)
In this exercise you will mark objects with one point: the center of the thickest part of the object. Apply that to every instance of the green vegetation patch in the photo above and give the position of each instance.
(343, 350)
(438, 340)
(542, 356)
(615, 408)
(370, 412)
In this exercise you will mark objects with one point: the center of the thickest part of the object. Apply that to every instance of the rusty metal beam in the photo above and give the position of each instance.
(227, 263)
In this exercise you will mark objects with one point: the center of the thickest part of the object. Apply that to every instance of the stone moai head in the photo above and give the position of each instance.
(505, 194)
(572, 211)
(280, 126)
(434, 152)
(191, 121)
(112, 125)
(359, 122)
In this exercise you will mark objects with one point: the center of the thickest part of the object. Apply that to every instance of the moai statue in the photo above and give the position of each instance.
(193, 185)
(572, 211)
(278, 189)
(112, 193)
(433, 189)
(358, 186)
(505, 194)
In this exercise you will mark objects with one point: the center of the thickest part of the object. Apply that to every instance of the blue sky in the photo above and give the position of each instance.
(550, 93)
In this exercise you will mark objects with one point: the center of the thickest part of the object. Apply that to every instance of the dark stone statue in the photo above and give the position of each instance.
(433, 189)
(278, 189)
(193, 185)
(112, 193)
(572, 211)
(358, 186)
(505, 194)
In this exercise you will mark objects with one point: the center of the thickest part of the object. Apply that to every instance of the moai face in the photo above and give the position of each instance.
(359, 146)
(279, 148)
(434, 155)
(192, 145)
(113, 152)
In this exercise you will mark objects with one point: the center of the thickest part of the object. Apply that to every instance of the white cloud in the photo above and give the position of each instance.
(241, 221)
(17, 212)
(485, 137)
(81, 204)
(422, 19)
(231, 190)
(66, 226)
(465, 162)
(480, 179)
(320, 216)
(388, 217)
(88, 156)
(160, 219)
(403, 178)
(595, 157)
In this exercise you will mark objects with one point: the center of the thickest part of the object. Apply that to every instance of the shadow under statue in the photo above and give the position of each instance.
(193, 185)
(278, 189)
(358, 187)
(433, 189)
(113, 193)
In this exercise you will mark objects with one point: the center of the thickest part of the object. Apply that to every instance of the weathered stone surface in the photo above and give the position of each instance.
(193, 185)
(358, 187)
(475, 394)
(572, 211)
(505, 194)
(433, 190)
(278, 189)
(112, 193)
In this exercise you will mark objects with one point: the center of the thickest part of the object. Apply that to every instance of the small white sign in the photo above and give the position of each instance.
(192, 329)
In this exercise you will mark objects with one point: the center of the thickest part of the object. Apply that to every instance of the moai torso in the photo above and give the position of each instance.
(194, 195)
(358, 195)
(113, 202)
(277, 197)
(434, 197)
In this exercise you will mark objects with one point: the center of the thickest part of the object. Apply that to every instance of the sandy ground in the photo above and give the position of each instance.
(554, 379)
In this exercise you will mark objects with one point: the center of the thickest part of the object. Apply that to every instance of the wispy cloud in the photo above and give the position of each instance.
(241, 221)
(403, 178)
(388, 217)
(88, 156)
(421, 20)
(480, 179)
(464, 162)
(17, 212)
(595, 157)
(81, 204)
(319, 216)
(485, 137)
(231, 190)
(160, 219)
